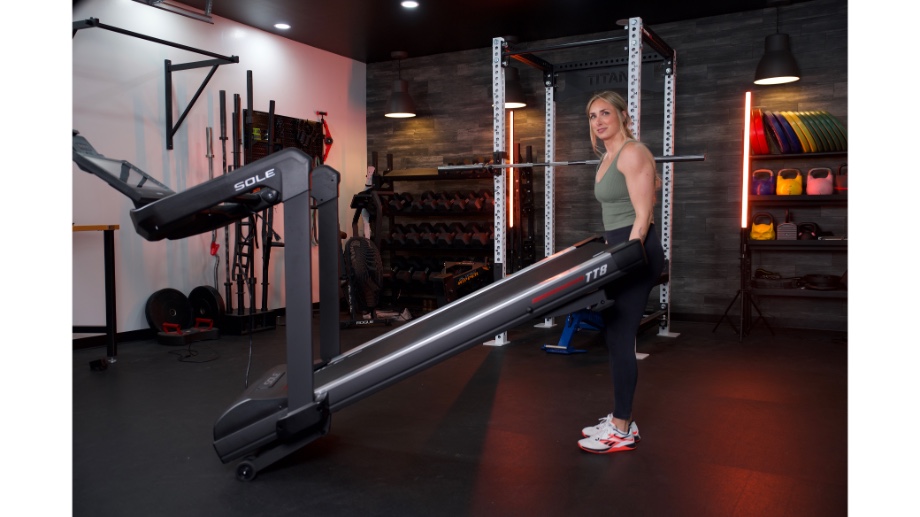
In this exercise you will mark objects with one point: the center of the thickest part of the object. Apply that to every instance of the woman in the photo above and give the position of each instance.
(625, 184)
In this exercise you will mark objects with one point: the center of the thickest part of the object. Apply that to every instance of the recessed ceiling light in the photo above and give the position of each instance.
(409, 4)
(282, 26)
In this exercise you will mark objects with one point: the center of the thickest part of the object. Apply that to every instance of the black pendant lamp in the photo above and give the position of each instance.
(400, 104)
(777, 66)
(514, 92)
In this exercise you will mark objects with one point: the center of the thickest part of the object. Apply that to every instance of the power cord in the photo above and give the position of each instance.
(249, 361)
(191, 356)
(252, 326)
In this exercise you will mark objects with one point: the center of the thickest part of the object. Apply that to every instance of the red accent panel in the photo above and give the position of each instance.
(558, 289)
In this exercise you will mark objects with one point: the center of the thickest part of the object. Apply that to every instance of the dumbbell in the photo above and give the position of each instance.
(398, 235)
(410, 203)
(461, 238)
(389, 274)
(394, 203)
(479, 237)
(473, 202)
(444, 237)
(413, 239)
(488, 205)
(398, 264)
(399, 271)
(420, 272)
(400, 202)
(444, 202)
(425, 202)
(458, 202)
(427, 235)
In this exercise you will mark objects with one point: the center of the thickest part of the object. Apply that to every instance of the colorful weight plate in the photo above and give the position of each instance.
(809, 141)
(821, 143)
(808, 144)
(758, 139)
(770, 135)
(768, 139)
(794, 143)
(797, 129)
(776, 130)
(838, 126)
(834, 143)
(831, 132)
(789, 127)
(754, 142)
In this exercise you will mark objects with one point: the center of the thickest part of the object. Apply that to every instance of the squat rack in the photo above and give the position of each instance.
(637, 35)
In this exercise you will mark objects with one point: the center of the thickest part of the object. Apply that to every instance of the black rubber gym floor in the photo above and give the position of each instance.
(729, 428)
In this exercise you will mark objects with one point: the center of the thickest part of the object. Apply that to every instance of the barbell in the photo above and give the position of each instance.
(658, 159)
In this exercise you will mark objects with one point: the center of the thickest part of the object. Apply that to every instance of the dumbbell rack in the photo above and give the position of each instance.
(437, 244)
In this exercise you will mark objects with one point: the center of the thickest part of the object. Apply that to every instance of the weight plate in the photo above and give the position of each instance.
(777, 132)
(758, 136)
(838, 127)
(795, 145)
(837, 144)
(168, 306)
(792, 129)
(822, 144)
(808, 142)
(207, 303)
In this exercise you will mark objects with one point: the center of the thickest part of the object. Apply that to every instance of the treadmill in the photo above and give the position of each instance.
(291, 404)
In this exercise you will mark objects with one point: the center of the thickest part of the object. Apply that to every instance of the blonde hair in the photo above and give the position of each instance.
(619, 104)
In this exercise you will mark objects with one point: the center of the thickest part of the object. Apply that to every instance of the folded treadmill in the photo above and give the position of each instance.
(291, 404)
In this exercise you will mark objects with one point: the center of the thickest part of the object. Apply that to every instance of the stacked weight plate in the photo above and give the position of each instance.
(180, 319)
(796, 132)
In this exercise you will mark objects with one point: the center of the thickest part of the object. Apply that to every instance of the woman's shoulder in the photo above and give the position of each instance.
(634, 141)
(639, 149)
(633, 155)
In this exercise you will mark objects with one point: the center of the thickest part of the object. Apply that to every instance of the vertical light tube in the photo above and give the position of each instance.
(746, 162)
(510, 148)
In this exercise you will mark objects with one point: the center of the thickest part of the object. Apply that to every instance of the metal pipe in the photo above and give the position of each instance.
(94, 22)
(562, 46)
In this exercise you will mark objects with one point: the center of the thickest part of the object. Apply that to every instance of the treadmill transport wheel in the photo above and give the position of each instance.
(168, 306)
(245, 471)
(207, 303)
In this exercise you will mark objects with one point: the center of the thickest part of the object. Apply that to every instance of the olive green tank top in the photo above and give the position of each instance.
(616, 209)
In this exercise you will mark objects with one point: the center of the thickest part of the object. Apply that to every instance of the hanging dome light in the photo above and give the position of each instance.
(778, 65)
(514, 92)
(400, 104)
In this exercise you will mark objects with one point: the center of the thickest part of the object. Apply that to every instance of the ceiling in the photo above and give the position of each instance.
(369, 30)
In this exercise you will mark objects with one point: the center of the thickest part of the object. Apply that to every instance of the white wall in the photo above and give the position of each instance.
(119, 106)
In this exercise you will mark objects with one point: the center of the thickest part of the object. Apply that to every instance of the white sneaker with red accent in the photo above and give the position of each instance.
(588, 432)
(608, 439)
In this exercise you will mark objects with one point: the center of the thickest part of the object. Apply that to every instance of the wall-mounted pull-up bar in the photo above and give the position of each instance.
(170, 68)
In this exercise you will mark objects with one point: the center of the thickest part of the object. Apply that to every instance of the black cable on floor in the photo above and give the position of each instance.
(249, 361)
(191, 356)
(252, 326)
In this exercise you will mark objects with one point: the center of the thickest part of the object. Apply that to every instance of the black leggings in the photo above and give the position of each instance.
(621, 320)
